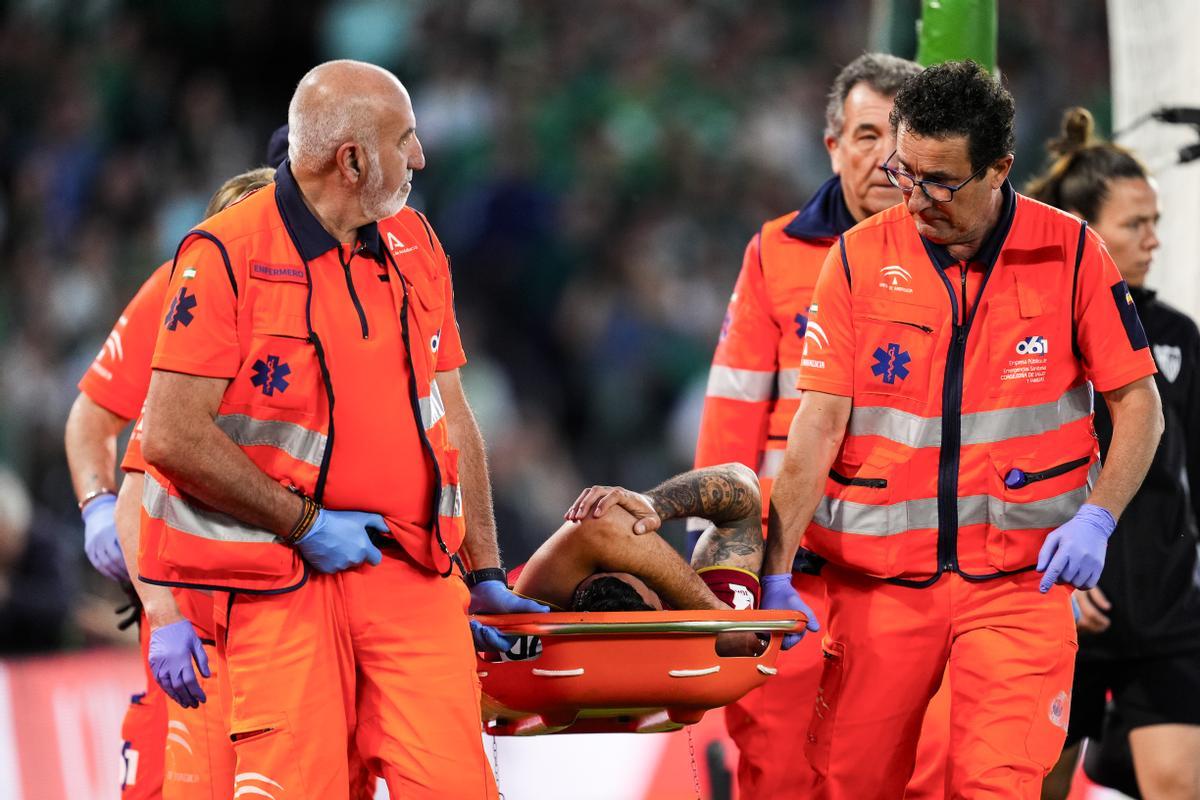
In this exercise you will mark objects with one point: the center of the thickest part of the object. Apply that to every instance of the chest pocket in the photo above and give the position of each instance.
(428, 297)
(1024, 335)
(894, 348)
(279, 368)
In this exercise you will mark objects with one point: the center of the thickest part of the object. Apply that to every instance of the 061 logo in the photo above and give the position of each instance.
(1033, 346)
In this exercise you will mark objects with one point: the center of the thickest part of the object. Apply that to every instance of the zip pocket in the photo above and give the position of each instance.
(1017, 478)
(890, 321)
(870, 483)
(924, 328)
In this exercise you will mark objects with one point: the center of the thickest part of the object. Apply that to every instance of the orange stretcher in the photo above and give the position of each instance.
(621, 672)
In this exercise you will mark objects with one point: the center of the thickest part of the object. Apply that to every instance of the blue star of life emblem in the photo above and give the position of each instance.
(180, 312)
(801, 325)
(270, 375)
(891, 363)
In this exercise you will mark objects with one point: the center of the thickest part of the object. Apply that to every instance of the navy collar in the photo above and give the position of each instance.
(989, 251)
(309, 236)
(824, 216)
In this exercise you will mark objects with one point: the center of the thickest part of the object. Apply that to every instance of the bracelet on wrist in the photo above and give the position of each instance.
(90, 496)
(308, 515)
(478, 576)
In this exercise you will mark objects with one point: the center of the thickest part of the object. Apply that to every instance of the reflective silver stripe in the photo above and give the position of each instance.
(297, 441)
(786, 384)
(1048, 513)
(432, 408)
(981, 427)
(844, 516)
(772, 462)
(179, 514)
(450, 504)
(751, 385)
(1009, 423)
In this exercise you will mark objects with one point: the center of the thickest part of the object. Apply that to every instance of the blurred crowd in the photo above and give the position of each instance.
(594, 171)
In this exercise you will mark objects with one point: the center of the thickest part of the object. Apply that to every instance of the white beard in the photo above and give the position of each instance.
(375, 203)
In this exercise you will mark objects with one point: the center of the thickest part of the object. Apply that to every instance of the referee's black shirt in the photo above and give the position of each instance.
(1150, 573)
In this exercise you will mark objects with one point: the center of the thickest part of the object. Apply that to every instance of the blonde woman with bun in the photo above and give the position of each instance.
(1140, 627)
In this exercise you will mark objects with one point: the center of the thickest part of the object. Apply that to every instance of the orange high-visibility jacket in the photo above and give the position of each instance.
(289, 437)
(970, 436)
(752, 395)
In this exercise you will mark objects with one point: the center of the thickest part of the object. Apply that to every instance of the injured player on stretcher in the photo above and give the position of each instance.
(609, 557)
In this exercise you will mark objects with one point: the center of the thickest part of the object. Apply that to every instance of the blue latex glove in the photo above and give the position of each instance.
(100, 538)
(488, 638)
(172, 649)
(1074, 551)
(338, 540)
(778, 592)
(493, 597)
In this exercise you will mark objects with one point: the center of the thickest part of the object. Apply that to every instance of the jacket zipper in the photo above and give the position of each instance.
(1026, 478)
(414, 400)
(951, 455)
(870, 483)
(362, 317)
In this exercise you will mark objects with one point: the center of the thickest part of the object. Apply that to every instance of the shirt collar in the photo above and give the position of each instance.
(989, 251)
(824, 216)
(310, 237)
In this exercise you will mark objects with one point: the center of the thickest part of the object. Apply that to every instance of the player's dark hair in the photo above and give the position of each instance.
(959, 98)
(1082, 167)
(608, 593)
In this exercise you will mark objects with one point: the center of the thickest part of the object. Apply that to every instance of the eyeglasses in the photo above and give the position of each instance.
(937, 192)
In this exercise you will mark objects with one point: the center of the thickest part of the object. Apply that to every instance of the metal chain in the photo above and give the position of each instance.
(695, 769)
(496, 766)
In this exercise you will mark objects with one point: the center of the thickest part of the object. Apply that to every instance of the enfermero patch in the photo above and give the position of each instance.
(287, 273)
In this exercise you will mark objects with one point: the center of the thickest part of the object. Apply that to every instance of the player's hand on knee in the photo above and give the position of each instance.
(778, 592)
(596, 501)
(173, 648)
(1073, 553)
(338, 540)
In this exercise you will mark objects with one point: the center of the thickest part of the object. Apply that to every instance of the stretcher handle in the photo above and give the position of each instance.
(679, 627)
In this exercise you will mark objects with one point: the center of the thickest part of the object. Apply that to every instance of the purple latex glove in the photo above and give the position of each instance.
(778, 592)
(1074, 551)
(338, 540)
(100, 538)
(493, 597)
(172, 649)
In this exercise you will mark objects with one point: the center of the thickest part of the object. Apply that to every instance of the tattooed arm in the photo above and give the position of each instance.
(727, 495)
(722, 494)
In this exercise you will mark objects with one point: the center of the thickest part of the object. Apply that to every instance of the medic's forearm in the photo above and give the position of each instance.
(157, 601)
(91, 445)
(181, 439)
(1137, 419)
(480, 547)
(813, 442)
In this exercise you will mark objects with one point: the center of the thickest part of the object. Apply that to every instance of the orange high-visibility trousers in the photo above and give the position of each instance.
(769, 724)
(198, 760)
(142, 732)
(375, 663)
(1010, 652)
